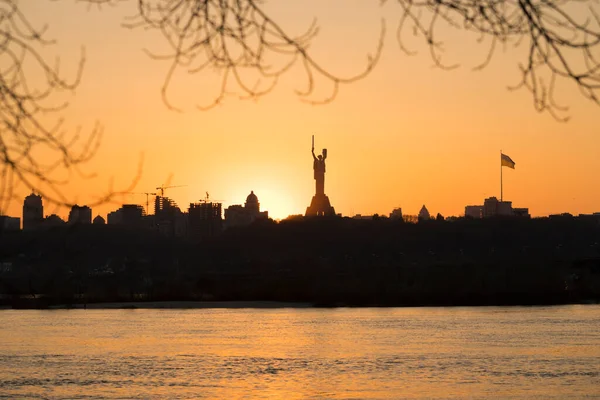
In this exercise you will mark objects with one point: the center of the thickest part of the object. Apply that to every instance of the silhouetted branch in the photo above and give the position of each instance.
(34, 148)
(561, 43)
(236, 38)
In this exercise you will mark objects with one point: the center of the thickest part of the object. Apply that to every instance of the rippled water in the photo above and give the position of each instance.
(524, 352)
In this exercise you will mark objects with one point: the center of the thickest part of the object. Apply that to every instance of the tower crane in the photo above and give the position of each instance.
(162, 189)
(147, 196)
(207, 199)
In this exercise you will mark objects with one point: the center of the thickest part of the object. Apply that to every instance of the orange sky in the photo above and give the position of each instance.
(405, 136)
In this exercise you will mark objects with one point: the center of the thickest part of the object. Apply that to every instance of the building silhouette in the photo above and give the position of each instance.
(474, 212)
(52, 221)
(252, 204)
(113, 217)
(237, 215)
(33, 212)
(424, 214)
(9, 223)
(396, 213)
(98, 220)
(129, 214)
(80, 215)
(521, 212)
(492, 207)
(132, 214)
(204, 219)
(168, 217)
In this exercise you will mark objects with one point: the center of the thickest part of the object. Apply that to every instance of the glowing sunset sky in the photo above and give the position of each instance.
(407, 135)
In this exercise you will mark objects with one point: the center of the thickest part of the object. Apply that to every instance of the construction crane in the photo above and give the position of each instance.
(207, 199)
(162, 189)
(148, 194)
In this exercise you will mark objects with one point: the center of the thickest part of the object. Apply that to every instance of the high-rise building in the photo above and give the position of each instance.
(114, 217)
(168, 217)
(132, 214)
(129, 215)
(80, 215)
(204, 220)
(33, 212)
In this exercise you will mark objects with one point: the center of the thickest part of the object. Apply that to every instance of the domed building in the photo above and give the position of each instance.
(252, 204)
(238, 215)
(99, 220)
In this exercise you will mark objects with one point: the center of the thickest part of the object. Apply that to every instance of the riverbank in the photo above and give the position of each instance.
(183, 305)
(517, 301)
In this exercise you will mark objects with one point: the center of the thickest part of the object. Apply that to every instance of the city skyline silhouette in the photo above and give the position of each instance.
(404, 136)
(319, 206)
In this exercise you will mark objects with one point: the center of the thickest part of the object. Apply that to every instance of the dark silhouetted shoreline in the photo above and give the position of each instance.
(323, 262)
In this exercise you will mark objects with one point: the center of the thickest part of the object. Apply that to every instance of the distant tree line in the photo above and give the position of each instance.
(337, 261)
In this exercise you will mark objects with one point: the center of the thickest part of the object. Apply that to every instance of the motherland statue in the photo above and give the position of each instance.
(319, 206)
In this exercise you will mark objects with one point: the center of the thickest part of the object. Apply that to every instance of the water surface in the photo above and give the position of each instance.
(486, 352)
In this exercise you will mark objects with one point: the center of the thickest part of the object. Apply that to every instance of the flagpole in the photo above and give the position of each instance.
(501, 194)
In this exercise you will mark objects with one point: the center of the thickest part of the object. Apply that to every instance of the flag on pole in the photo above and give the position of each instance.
(506, 161)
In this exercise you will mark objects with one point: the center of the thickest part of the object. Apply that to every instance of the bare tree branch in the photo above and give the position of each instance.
(238, 39)
(237, 36)
(34, 152)
(560, 44)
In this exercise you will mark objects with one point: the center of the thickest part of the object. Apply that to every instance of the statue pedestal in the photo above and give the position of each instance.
(320, 206)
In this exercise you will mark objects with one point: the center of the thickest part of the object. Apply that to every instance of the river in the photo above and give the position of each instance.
(287, 353)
